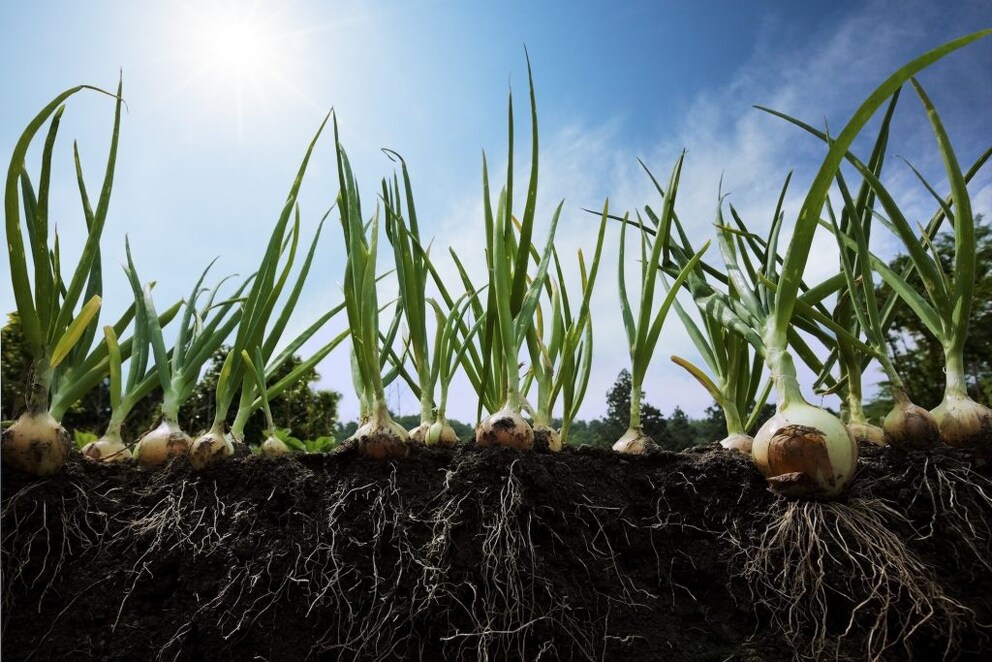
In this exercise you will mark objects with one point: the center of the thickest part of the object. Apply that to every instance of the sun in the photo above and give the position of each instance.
(235, 56)
(234, 44)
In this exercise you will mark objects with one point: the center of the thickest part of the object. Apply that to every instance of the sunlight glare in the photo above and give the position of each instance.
(235, 57)
(234, 45)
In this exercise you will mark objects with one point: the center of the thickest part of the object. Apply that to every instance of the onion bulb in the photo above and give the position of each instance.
(106, 449)
(162, 444)
(439, 433)
(36, 443)
(209, 448)
(963, 422)
(382, 438)
(909, 425)
(867, 433)
(554, 439)
(633, 442)
(805, 451)
(274, 447)
(738, 442)
(505, 428)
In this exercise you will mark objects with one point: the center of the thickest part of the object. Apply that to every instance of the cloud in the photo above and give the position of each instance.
(585, 161)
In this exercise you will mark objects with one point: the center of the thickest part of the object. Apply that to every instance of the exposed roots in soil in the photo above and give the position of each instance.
(823, 570)
(190, 521)
(492, 555)
(370, 605)
(961, 505)
(39, 537)
(515, 610)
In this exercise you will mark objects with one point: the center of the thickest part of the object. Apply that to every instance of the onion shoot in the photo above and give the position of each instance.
(56, 333)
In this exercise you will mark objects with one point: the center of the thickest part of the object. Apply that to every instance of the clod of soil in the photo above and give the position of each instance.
(492, 553)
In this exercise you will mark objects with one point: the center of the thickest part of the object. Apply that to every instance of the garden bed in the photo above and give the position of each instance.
(487, 554)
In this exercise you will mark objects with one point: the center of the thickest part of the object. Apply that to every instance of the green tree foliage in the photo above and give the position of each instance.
(16, 365)
(713, 425)
(918, 356)
(306, 413)
(680, 432)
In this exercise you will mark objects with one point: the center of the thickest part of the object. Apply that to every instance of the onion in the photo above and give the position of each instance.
(440, 433)
(505, 428)
(805, 451)
(963, 422)
(738, 442)
(209, 448)
(274, 447)
(867, 433)
(106, 449)
(382, 439)
(633, 442)
(162, 444)
(554, 439)
(36, 443)
(910, 426)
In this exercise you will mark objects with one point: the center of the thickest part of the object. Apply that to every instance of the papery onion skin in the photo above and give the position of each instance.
(554, 439)
(867, 433)
(633, 442)
(161, 445)
(274, 447)
(36, 443)
(419, 434)
(806, 451)
(383, 440)
(106, 450)
(909, 425)
(963, 422)
(739, 442)
(440, 434)
(209, 449)
(505, 428)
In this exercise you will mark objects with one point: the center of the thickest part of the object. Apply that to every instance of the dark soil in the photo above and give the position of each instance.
(480, 554)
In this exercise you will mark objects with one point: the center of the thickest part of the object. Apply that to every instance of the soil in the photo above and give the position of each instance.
(494, 554)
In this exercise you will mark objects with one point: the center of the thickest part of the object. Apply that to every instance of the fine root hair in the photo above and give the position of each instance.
(41, 534)
(822, 570)
(959, 501)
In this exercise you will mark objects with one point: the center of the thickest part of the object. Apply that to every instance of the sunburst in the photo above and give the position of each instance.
(234, 56)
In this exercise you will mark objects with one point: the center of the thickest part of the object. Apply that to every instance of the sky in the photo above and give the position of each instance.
(223, 98)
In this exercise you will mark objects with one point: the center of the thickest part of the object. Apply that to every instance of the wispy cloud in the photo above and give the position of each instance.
(821, 78)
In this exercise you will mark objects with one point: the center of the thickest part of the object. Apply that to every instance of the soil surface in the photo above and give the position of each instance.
(496, 554)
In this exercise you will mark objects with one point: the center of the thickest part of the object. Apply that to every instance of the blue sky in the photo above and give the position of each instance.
(218, 122)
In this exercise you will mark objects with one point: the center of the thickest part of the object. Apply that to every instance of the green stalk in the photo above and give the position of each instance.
(644, 331)
(945, 307)
(513, 292)
(378, 437)
(201, 333)
(253, 326)
(411, 273)
(799, 247)
(53, 328)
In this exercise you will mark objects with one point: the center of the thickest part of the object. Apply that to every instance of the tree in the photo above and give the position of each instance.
(918, 356)
(713, 427)
(618, 413)
(15, 369)
(679, 433)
